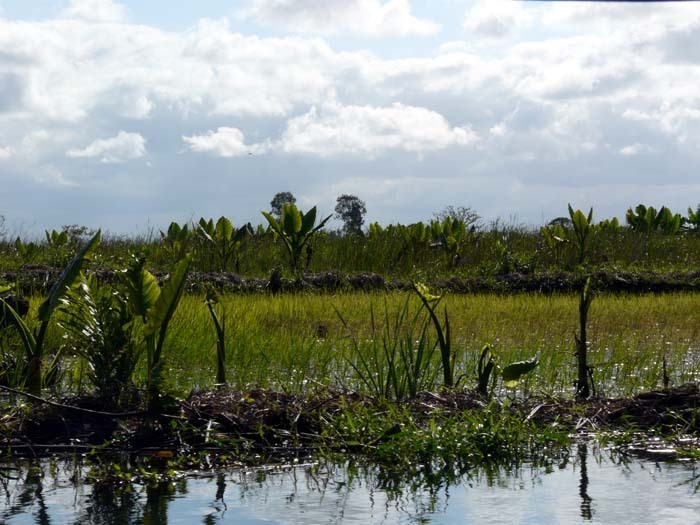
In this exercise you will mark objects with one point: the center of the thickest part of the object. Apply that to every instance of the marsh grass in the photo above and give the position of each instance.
(501, 248)
(297, 343)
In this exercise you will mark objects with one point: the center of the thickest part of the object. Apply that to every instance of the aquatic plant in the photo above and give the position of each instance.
(583, 228)
(155, 307)
(33, 340)
(444, 336)
(585, 372)
(100, 328)
(295, 228)
(219, 320)
(225, 240)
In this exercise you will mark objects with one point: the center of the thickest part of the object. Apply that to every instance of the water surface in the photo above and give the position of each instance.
(585, 487)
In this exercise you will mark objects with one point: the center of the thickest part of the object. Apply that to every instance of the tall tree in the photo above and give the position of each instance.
(351, 210)
(463, 213)
(278, 202)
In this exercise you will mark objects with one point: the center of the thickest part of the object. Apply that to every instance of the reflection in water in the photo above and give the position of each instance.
(47, 493)
(586, 513)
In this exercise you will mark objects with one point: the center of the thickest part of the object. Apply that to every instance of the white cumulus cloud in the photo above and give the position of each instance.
(635, 149)
(326, 17)
(96, 11)
(125, 146)
(339, 130)
(224, 142)
(496, 18)
(5, 152)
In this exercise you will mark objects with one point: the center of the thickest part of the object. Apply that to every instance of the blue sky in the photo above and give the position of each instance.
(127, 115)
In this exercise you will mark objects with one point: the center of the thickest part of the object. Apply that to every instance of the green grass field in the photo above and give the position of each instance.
(299, 343)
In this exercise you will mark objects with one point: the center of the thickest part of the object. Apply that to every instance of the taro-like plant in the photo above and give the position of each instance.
(484, 369)
(219, 320)
(155, 306)
(444, 335)
(56, 239)
(295, 228)
(648, 220)
(511, 373)
(415, 239)
(27, 251)
(693, 220)
(609, 225)
(585, 372)
(583, 228)
(556, 238)
(225, 240)
(100, 327)
(176, 240)
(33, 340)
(449, 235)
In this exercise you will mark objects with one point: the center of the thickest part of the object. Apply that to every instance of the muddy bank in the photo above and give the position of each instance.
(39, 279)
(263, 421)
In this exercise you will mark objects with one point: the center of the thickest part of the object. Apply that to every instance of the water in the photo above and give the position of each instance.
(586, 487)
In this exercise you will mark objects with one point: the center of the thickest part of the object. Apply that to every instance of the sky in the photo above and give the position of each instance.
(127, 115)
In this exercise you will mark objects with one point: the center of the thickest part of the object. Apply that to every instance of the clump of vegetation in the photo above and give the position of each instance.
(296, 229)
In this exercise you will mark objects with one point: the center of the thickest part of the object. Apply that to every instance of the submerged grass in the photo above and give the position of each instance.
(298, 343)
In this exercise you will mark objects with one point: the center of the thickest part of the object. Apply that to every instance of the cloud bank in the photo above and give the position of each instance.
(525, 108)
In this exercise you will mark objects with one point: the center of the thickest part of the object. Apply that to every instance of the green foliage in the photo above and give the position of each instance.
(57, 243)
(484, 369)
(27, 251)
(219, 320)
(556, 239)
(33, 341)
(609, 225)
(100, 326)
(514, 371)
(449, 235)
(176, 241)
(444, 335)
(155, 307)
(397, 364)
(295, 228)
(278, 202)
(583, 227)
(225, 240)
(583, 386)
(692, 222)
(511, 373)
(410, 447)
(56, 239)
(351, 210)
(648, 220)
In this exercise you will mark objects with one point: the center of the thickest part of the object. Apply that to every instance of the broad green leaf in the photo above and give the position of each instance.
(512, 373)
(273, 222)
(28, 340)
(207, 227)
(580, 221)
(143, 289)
(291, 219)
(241, 233)
(67, 278)
(160, 313)
(308, 220)
(224, 229)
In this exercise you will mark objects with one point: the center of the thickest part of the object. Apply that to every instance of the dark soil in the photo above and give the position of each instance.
(269, 421)
(39, 279)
